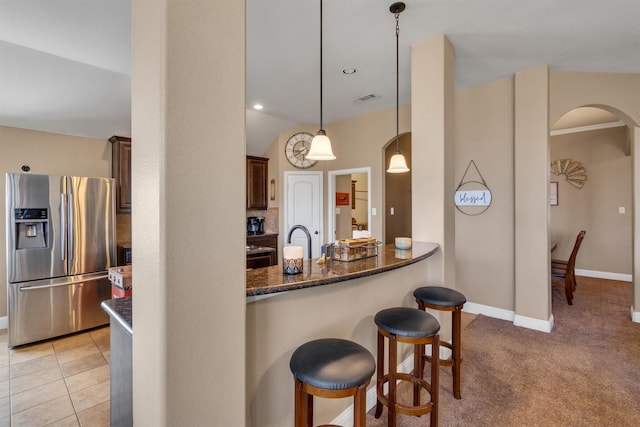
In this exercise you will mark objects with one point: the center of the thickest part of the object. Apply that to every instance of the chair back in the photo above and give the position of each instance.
(574, 253)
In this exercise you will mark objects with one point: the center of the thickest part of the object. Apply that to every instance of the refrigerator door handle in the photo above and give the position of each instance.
(69, 283)
(70, 223)
(63, 225)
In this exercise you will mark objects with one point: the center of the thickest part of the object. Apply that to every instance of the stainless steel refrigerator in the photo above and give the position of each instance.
(60, 244)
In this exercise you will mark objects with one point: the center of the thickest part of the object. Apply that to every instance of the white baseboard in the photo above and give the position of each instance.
(4, 323)
(486, 310)
(635, 315)
(535, 324)
(604, 275)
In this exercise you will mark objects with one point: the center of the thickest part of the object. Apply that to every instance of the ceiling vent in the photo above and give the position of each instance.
(366, 98)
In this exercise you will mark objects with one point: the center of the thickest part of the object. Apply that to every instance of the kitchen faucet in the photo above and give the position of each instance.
(306, 232)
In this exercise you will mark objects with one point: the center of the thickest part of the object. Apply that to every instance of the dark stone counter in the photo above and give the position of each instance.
(120, 311)
(269, 280)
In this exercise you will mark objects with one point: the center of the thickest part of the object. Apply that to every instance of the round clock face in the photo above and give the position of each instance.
(297, 148)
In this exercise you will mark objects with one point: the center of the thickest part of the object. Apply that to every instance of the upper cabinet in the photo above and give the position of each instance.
(121, 171)
(257, 175)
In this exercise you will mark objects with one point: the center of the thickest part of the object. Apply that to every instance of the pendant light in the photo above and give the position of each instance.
(320, 144)
(397, 164)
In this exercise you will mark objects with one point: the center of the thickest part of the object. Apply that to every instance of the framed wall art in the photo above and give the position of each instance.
(342, 199)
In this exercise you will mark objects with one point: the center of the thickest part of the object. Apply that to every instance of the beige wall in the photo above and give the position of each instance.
(46, 154)
(188, 95)
(594, 207)
(485, 242)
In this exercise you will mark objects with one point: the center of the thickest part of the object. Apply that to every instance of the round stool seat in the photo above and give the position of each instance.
(439, 295)
(332, 364)
(407, 322)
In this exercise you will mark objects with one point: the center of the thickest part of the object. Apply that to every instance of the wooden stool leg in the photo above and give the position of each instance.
(435, 383)
(379, 372)
(299, 411)
(418, 371)
(393, 363)
(360, 406)
(456, 356)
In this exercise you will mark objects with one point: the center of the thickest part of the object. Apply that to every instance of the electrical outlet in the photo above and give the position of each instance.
(392, 211)
(621, 210)
(373, 211)
(337, 211)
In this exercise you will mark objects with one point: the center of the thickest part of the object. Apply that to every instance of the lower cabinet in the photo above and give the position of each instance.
(258, 260)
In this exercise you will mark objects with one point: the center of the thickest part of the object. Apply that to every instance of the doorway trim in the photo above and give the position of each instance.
(331, 216)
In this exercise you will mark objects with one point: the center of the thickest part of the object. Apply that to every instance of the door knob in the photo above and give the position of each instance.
(315, 232)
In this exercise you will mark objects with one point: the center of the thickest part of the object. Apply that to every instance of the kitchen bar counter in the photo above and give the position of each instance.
(270, 280)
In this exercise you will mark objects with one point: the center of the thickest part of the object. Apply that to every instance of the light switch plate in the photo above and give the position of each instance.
(373, 211)
(621, 210)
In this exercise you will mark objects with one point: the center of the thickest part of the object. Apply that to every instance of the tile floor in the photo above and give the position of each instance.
(61, 382)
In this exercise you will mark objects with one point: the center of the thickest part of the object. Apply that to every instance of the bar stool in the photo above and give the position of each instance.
(331, 368)
(411, 326)
(446, 299)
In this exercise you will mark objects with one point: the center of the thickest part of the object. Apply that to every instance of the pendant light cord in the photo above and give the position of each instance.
(321, 128)
(397, 84)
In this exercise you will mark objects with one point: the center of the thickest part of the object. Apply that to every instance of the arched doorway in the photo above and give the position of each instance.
(397, 193)
(592, 171)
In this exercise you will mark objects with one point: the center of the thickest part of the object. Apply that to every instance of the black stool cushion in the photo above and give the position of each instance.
(438, 295)
(332, 364)
(407, 322)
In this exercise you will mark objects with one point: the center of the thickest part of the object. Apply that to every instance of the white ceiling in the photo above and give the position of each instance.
(65, 64)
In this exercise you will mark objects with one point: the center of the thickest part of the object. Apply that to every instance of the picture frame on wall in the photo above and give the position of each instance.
(342, 199)
(553, 193)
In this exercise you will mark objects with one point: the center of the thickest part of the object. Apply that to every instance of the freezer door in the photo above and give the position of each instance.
(35, 244)
(91, 224)
(45, 309)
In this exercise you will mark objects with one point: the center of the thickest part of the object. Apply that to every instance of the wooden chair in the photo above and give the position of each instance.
(566, 269)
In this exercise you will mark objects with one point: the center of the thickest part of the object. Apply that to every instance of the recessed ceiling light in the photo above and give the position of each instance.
(349, 70)
(258, 107)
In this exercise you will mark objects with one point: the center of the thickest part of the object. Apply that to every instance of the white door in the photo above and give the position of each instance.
(303, 206)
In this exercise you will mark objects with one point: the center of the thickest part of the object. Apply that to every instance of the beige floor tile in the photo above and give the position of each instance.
(38, 395)
(90, 396)
(4, 357)
(70, 421)
(83, 364)
(4, 373)
(107, 356)
(4, 390)
(77, 352)
(35, 379)
(102, 338)
(5, 406)
(72, 341)
(43, 414)
(96, 416)
(34, 365)
(28, 352)
(87, 378)
(5, 421)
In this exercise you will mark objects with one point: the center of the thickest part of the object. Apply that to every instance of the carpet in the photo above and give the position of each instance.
(586, 372)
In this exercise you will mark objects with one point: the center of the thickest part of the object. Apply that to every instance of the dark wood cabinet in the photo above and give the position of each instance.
(121, 171)
(259, 260)
(267, 241)
(257, 175)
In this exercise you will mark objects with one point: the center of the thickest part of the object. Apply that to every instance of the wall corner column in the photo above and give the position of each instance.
(432, 165)
(635, 188)
(531, 152)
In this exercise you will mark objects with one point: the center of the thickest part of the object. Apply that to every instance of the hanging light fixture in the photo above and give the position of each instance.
(397, 164)
(320, 144)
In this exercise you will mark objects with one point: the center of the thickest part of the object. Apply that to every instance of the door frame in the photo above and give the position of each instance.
(331, 215)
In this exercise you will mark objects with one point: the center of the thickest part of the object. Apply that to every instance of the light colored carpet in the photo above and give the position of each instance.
(586, 372)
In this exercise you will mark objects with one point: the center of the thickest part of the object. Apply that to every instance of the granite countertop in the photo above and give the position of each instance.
(269, 280)
(119, 309)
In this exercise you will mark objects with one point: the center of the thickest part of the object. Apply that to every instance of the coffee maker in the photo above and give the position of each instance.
(255, 225)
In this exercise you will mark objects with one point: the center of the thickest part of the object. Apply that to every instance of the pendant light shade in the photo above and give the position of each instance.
(397, 164)
(320, 144)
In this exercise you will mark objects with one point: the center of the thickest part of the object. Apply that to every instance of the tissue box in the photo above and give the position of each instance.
(355, 249)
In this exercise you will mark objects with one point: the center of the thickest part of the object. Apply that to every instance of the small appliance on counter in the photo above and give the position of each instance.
(255, 225)
(121, 284)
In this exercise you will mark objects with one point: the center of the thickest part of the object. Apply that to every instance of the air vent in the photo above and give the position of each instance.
(366, 98)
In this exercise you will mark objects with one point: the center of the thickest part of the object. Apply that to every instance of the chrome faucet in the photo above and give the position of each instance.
(306, 232)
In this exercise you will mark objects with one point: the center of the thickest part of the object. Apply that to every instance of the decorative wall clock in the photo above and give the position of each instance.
(297, 148)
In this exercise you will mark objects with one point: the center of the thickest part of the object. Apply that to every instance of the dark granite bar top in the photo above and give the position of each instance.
(119, 309)
(269, 280)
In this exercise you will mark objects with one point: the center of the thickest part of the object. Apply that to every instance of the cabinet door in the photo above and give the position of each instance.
(121, 171)
(257, 174)
(259, 261)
